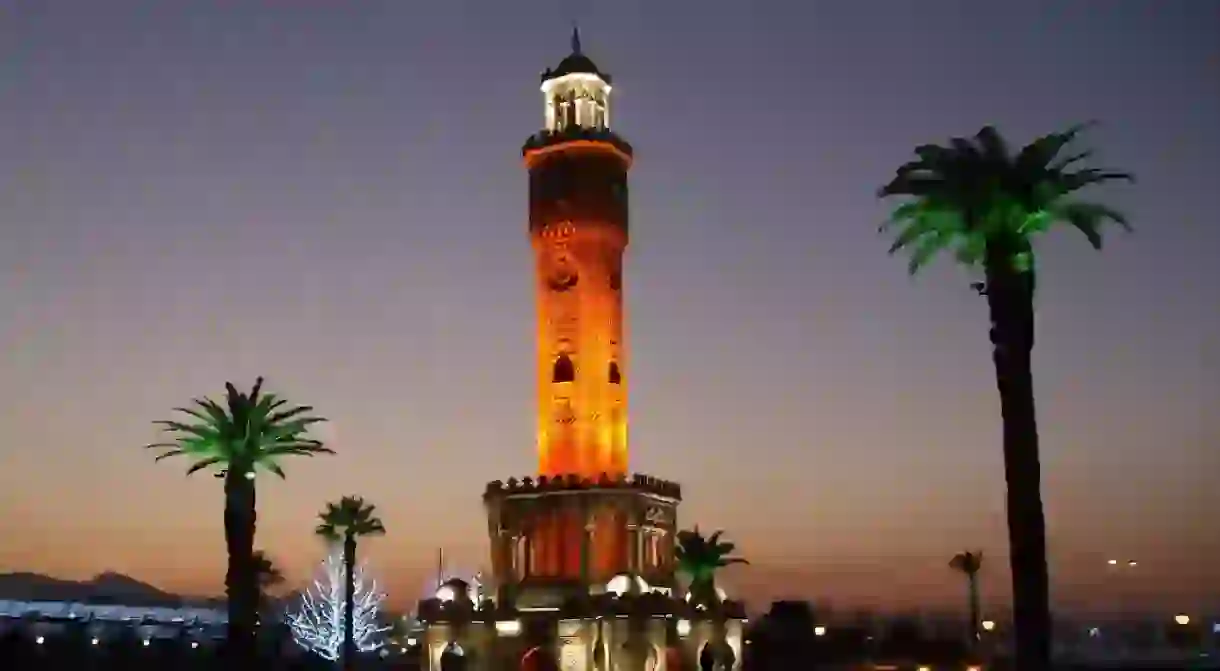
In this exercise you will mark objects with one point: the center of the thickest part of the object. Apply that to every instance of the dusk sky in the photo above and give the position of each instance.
(331, 194)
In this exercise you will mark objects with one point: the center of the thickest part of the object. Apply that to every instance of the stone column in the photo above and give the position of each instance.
(527, 568)
(633, 543)
(586, 544)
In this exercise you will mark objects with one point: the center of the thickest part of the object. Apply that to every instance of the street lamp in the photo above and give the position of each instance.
(819, 630)
(1118, 569)
(988, 625)
(1182, 619)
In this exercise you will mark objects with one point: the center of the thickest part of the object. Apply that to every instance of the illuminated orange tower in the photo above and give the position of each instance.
(581, 520)
(582, 552)
(578, 226)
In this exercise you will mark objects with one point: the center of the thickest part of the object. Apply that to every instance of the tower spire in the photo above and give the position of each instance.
(575, 38)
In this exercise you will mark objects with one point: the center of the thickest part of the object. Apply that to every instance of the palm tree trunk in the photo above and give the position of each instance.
(241, 583)
(974, 610)
(1010, 300)
(349, 602)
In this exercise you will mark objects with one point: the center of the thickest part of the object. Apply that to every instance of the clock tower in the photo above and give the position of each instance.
(582, 552)
(578, 226)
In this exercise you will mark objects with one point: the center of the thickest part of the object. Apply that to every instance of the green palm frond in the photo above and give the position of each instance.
(248, 432)
(350, 517)
(972, 194)
(700, 557)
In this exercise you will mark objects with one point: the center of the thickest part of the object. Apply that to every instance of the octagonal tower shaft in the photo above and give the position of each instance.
(578, 227)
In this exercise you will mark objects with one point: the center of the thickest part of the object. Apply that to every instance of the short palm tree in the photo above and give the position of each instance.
(700, 558)
(346, 521)
(987, 206)
(969, 564)
(247, 432)
(269, 576)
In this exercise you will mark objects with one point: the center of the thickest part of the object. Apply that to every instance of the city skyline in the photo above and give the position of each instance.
(333, 197)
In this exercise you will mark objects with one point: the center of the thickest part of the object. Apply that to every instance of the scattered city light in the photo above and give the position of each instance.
(684, 628)
(146, 642)
(508, 627)
(988, 625)
(94, 641)
(1113, 562)
(1182, 619)
(819, 630)
(40, 640)
(194, 644)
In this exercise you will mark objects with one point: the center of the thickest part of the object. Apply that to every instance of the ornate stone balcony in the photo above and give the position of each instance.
(542, 484)
(544, 139)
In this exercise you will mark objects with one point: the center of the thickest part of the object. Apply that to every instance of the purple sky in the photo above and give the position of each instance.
(330, 194)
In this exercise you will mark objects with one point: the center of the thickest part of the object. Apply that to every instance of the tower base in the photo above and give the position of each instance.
(584, 576)
(630, 632)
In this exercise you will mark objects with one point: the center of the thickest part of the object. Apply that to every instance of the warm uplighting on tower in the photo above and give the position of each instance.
(578, 227)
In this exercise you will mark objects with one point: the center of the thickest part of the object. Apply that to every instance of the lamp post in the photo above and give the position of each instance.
(1120, 569)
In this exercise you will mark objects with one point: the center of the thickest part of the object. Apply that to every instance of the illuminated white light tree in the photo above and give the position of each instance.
(317, 624)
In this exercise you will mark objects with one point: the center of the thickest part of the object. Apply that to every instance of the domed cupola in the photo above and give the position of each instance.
(576, 63)
(576, 94)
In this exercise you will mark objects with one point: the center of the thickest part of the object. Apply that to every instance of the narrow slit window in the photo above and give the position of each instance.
(616, 376)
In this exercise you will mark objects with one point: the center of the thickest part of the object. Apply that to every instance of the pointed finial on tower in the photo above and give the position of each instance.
(575, 38)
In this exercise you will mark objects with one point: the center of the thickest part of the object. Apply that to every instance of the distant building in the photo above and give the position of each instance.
(104, 620)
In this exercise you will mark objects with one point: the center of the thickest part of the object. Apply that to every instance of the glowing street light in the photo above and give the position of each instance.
(1182, 619)
(988, 625)
(819, 630)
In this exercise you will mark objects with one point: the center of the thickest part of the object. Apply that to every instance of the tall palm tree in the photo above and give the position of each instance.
(700, 558)
(969, 564)
(346, 521)
(246, 433)
(986, 205)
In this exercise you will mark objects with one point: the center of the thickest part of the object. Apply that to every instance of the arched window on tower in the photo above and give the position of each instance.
(564, 370)
(616, 376)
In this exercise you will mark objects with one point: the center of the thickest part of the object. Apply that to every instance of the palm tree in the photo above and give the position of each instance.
(977, 200)
(246, 433)
(346, 521)
(269, 576)
(700, 558)
(969, 564)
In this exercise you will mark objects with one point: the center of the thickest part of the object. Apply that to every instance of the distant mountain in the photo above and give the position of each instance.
(104, 588)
